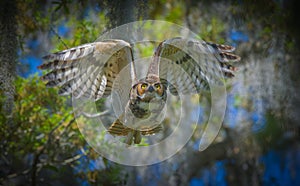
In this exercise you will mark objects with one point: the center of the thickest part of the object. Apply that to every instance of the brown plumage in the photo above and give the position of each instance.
(179, 65)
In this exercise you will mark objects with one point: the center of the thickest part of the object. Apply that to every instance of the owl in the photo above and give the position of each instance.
(178, 66)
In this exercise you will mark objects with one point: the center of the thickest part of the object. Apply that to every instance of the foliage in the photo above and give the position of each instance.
(44, 135)
(41, 125)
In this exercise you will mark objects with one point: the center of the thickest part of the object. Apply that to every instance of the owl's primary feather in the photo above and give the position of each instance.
(189, 66)
(180, 65)
(88, 70)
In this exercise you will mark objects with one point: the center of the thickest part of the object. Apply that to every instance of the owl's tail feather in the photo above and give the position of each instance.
(151, 131)
(119, 129)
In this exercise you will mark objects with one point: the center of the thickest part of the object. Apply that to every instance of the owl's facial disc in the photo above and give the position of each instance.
(145, 89)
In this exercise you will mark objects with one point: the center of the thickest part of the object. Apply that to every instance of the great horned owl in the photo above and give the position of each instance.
(104, 60)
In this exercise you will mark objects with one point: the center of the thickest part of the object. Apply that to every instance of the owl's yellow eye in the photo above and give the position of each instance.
(141, 88)
(144, 86)
(157, 86)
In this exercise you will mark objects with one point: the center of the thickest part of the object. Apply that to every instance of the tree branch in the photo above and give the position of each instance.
(88, 115)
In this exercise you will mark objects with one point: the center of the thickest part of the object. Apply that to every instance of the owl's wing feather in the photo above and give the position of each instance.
(189, 66)
(88, 70)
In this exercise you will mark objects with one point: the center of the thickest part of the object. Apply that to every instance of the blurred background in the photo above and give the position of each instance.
(258, 144)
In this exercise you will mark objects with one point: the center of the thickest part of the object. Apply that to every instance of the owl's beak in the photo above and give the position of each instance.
(150, 89)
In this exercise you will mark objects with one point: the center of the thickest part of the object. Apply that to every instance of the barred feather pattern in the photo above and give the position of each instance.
(189, 66)
(119, 129)
(88, 70)
(185, 66)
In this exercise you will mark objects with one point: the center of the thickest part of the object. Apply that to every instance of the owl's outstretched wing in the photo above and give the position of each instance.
(88, 70)
(189, 65)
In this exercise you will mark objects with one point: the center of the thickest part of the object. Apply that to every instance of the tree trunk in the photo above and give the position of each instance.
(124, 11)
(8, 54)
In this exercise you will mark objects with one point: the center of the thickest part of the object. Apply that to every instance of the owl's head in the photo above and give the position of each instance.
(144, 88)
(149, 88)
